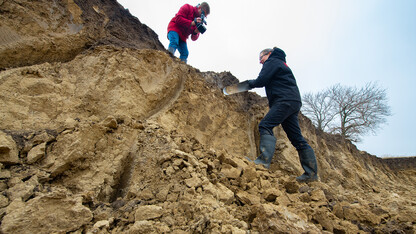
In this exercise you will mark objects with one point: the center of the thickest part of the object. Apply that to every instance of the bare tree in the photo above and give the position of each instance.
(320, 109)
(359, 110)
(348, 111)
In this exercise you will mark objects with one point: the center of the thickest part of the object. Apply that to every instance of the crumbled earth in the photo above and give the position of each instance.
(105, 132)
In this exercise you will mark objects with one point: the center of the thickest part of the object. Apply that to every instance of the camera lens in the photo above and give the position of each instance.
(201, 28)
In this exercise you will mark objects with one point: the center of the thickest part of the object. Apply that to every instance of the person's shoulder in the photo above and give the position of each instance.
(186, 5)
(185, 9)
(272, 60)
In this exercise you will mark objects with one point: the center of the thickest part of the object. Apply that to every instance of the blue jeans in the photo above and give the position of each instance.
(175, 43)
(286, 114)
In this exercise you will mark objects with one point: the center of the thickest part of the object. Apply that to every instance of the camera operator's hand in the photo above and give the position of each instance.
(197, 20)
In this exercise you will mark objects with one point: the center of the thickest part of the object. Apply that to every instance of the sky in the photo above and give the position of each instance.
(327, 42)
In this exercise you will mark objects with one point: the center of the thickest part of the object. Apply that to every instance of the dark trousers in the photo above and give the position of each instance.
(286, 114)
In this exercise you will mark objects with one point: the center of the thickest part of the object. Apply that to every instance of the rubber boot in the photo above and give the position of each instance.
(309, 165)
(267, 147)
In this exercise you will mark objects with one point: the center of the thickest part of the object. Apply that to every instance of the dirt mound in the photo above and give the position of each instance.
(123, 138)
(44, 31)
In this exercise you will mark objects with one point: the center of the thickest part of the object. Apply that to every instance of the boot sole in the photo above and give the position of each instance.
(264, 165)
(307, 180)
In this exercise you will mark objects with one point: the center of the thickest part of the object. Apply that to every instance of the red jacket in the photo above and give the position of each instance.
(181, 23)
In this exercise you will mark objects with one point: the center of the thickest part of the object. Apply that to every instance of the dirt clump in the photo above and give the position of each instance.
(120, 137)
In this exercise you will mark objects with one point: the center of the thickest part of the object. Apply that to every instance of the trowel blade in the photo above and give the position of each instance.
(236, 88)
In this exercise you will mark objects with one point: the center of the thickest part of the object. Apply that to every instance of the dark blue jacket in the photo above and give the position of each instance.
(277, 78)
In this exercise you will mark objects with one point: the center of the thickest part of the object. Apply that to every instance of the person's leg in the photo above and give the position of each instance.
(173, 41)
(291, 127)
(273, 118)
(309, 164)
(183, 50)
(306, 154)
(276, 115)
(267, 148)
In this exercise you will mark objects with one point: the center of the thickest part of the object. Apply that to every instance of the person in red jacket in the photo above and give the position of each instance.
(184, 24)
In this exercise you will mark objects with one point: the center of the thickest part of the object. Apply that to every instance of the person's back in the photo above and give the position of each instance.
(282, 83)
(184, 24)
(181, 21)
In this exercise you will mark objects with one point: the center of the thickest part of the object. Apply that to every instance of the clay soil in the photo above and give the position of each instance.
(102, 131)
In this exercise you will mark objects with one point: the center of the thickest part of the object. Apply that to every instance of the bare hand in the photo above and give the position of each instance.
(198, 20)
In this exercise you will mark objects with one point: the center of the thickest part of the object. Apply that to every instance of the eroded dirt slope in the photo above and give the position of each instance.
(119, 139)
(33, 32)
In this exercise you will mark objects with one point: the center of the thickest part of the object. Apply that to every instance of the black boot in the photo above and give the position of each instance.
(309, 165)
(267, 147)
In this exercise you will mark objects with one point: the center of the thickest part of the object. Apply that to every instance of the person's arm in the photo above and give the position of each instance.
(182, 14)
(195, 35)
(265, 75)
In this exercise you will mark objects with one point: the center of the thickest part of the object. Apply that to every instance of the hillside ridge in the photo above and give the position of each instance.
(103, 131)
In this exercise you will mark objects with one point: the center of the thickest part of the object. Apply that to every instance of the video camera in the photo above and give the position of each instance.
(200, 26)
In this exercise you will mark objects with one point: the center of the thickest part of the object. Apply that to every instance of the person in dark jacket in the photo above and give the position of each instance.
(183, 25)
(284, 106)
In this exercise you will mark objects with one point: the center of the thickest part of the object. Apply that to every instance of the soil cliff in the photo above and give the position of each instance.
(102, 131)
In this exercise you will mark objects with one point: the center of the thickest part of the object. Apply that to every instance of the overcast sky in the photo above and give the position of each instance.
(351, 42)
